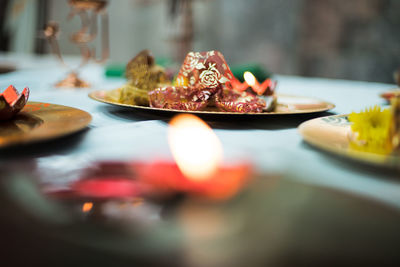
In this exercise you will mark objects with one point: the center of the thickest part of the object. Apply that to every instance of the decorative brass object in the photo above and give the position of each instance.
(89, 12)
(183, 40)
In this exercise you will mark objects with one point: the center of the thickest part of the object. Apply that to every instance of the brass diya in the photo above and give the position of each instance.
(89, 12)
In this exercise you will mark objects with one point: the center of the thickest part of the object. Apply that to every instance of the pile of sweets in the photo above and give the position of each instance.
(204, 82)
(143, 76)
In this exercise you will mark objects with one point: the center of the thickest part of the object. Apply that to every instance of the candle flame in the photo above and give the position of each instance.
(249, 78)
(87, 206)
(195, 147)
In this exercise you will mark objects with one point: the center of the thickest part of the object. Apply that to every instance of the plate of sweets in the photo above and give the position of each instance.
(204, 85)
(23, 122)
(371, 136)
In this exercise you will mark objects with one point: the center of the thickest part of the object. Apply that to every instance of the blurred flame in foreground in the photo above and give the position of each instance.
(195, 147)
(87, 206)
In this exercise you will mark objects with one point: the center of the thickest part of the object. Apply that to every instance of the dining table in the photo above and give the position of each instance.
(272, 144)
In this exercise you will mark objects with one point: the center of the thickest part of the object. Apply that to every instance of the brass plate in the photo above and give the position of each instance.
(287, 104)
(331, 134)
(42, 121)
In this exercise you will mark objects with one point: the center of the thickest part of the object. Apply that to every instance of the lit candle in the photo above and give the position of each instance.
(198, 169)
(87, 206)
(195, 147)
(255, 85)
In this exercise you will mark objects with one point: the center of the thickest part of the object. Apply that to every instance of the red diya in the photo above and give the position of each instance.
(165, 176)
(107, 187)
(265, 88)
(159, 178)
(198, 167)
(197, 170)
(105, 180)
(11, 102)
(240, 98)
(237, 85)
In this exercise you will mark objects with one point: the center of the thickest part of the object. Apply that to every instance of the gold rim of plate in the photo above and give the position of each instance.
(331, 134)
(42, 121)
(287, 104)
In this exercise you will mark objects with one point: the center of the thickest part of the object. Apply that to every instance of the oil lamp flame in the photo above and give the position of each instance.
(249, 78)
(87, 206)
(195, 147)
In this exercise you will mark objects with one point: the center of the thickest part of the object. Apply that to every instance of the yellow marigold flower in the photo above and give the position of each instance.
(371, 130)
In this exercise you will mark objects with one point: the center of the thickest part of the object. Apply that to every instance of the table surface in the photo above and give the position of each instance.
(273, 145)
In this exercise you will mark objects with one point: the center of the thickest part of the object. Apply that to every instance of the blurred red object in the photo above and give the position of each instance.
(390, 94)
(164, 176)
(235, 84)
(110, 187)
(155, 179)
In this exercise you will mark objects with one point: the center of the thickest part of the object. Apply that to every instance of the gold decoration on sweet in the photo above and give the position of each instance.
(181, 81)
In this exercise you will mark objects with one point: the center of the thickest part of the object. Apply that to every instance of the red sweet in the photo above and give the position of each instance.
(180, 98)
(241, 102)
(11, 102)
(205, 70)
